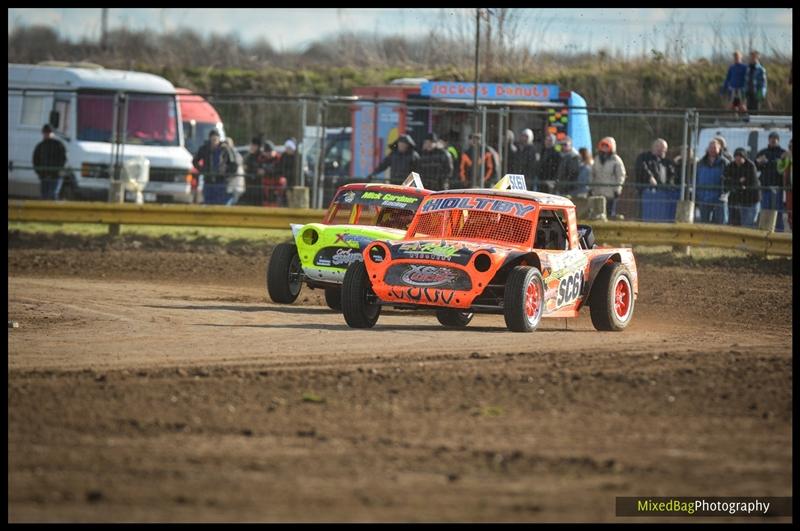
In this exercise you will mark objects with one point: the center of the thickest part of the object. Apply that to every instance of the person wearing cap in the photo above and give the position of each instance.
(272, 186)
(435, 164)
(216, 161)
(767, 165)
(401, 161)
(744, 190)
(287, 166)
(253, 172)
(49, 158)
(547, 172)
(487, 167)
(608, 174)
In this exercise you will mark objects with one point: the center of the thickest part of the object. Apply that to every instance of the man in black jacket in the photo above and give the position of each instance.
(49, 158)
(402, 160)
(741, 182)
(568, 168)
(525, 159)
(435, 164)
(548, 165)
(767, 163)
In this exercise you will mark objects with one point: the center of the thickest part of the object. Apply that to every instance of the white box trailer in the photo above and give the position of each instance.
(86, 106)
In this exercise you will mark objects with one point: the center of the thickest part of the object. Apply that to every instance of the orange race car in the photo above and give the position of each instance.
(505, 251)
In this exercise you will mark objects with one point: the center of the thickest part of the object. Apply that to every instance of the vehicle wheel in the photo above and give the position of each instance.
(333, 298)
(523, 302)
(611, 300)
(454, 318)
(283, 274)
(358, 305)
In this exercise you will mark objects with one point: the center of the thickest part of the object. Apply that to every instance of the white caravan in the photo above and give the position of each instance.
(85, 105)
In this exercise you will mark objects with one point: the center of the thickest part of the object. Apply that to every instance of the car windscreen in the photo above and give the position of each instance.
(373, 207)
(151, 119)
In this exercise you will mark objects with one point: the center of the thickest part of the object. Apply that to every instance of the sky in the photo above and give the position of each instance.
(630, 31)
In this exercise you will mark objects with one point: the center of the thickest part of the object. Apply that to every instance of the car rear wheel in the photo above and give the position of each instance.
(333, 298)
(359, 305)
(611, 301)
(284, 274)
(454, 318)
(523, 302)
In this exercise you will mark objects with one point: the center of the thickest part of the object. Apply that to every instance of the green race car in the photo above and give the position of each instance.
(358, 215)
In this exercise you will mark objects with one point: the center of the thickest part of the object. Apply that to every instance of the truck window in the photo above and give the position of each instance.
(32, 110)
(61, 104)
(151, 120)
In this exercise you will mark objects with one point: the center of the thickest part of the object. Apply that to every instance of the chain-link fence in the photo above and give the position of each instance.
(277, 147)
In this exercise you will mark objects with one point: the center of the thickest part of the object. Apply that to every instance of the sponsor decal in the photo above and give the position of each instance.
(345, 257)
(430, 250)
(423, 275)
(395, 199)
(501, 206)
(422, 295)
(355, 241)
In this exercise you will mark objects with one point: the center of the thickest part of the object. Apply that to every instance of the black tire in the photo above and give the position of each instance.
(333, 298)
(520, 307)
(611, 301)
(284, 274)
(454, 318)
(356, 288)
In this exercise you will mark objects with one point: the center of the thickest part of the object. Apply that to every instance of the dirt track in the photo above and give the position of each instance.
(134, 399)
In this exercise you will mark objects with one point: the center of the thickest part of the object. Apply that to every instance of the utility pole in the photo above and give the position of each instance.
(104, 29)
(475, 95)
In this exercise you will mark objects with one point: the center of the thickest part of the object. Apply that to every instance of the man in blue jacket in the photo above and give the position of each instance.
(733, 87)
(710, 197)
(755, 82)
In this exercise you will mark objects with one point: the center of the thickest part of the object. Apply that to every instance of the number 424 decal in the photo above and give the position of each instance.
(569, 288)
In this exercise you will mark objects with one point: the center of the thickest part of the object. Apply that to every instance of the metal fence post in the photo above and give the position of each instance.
(683, 153)
(319, 189)
(695, 153)
(301, 151)
(483, 145)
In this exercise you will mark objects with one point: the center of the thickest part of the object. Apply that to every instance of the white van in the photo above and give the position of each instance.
(84, 105)
(752, 137)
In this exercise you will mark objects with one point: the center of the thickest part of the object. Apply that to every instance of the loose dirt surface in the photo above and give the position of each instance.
(151, 380)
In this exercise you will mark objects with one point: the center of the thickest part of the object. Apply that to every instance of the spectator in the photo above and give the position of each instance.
(526, 159)
(581, 188)
(509, 152)
(548, 165)
(741, 182)
(235, 183)
(49, 158)
(402, 160)
(253, 173)
(711, 199)
(733, 87)
(273, 186)
(568, 168)
(216, 161)
(455, 156)
(608, 174)
(653, 169)
(287, 166)
(770, 178)
(755, 82)
(487, 168)
(785, 168)
(435, 164)
(723, 144)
